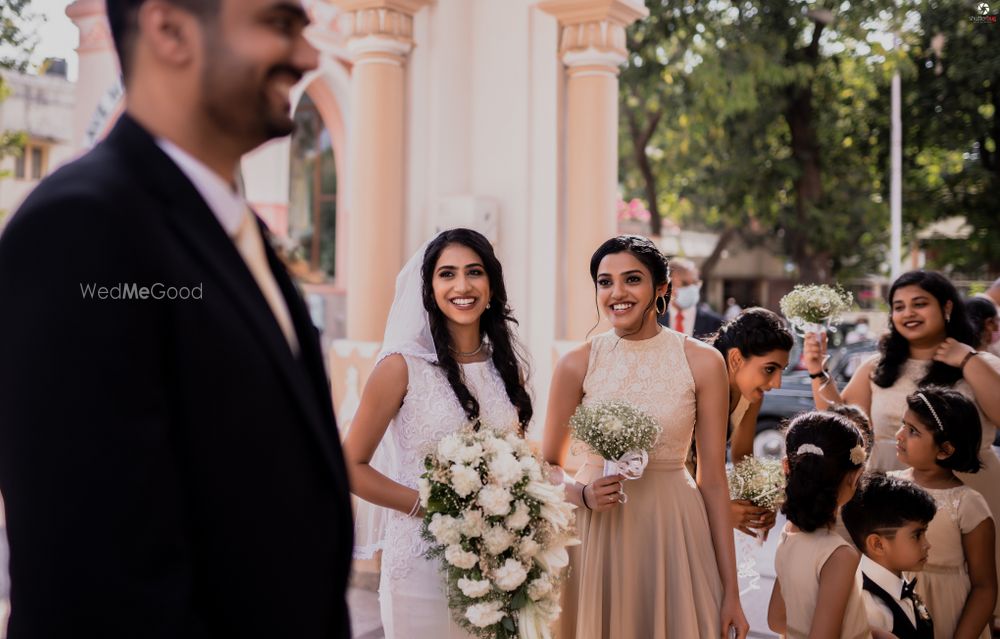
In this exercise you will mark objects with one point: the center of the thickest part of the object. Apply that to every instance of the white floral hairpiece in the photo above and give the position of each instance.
(858, 455)
(809, 449)
(931, 409)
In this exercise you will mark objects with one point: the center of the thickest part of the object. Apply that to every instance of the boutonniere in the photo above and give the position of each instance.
(918, 605)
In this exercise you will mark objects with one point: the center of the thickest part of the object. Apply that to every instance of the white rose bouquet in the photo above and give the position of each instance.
(500, 530)
(814, 307)
(619, 432)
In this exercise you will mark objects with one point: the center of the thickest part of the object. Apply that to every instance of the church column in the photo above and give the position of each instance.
(99, 93)
(380, 37)
(592, 46)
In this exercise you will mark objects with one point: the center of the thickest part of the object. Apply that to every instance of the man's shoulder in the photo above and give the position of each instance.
(707, 320)
(96, 191)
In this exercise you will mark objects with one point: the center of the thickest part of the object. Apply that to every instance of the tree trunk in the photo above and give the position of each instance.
(640, 138)
(800, 117)
(708, 266)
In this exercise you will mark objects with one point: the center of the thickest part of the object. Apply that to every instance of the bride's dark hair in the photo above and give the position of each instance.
(507, 354)
(647, 253)
(893, 348)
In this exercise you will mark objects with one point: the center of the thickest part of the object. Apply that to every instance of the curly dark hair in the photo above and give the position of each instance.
(882, 503)
(507, 354)
(893, 348)
(644, 250)
(754, 332)
(814, 479)
(959, 425)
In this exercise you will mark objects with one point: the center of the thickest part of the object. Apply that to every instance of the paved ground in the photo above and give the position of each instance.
(363, 599)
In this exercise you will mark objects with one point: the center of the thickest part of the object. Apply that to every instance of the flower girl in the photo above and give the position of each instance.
(940, 435)
(815, 590)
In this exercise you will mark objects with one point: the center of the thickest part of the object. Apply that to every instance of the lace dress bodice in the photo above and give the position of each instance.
(652, 375)
(430, 411)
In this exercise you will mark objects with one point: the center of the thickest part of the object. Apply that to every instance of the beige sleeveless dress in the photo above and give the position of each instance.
(797, 562)
(647, 568)
(888, 406)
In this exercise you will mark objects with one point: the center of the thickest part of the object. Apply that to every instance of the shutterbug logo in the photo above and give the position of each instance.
(983, 15)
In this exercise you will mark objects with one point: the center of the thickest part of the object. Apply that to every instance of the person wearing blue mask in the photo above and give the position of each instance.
(684, 314)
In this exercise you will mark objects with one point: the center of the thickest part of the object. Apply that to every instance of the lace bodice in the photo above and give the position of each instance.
(652, 375)
(430, 411)
(960, 510)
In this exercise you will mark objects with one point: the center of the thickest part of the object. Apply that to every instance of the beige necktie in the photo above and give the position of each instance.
(251, 247)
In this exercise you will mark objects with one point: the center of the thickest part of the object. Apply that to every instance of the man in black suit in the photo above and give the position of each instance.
(168, 452)
(684, 314)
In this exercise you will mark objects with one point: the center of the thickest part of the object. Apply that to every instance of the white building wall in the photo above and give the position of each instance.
(483, 123)
(43, 107)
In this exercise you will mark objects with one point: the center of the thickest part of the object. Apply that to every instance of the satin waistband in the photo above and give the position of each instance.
(654, 464)
(794, 633)
(944, 570)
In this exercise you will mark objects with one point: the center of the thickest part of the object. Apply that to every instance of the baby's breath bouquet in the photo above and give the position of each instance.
(815, 307)
(758, 481)
(619, 432)
(500, 530)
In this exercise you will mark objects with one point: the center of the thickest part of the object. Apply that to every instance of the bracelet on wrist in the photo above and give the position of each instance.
(583, 496)
(966, 359)
(822, 373)
(416, 508)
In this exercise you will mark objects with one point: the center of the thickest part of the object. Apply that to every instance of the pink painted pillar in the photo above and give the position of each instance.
(99, 97)
(592, 46)
(380, 37)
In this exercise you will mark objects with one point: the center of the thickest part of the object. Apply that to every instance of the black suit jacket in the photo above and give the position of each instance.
(706, 322)
(901, 625)
(169, 468)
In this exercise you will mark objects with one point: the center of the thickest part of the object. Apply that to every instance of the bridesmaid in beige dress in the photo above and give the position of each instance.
(755, 345)
(660, 566)
(930, 341)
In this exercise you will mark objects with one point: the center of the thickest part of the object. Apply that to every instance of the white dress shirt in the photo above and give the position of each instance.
(233, 214)
(226, 203)
(879, 614)
(689, 314)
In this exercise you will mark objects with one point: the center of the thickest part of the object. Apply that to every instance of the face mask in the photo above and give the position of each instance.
(687, 296)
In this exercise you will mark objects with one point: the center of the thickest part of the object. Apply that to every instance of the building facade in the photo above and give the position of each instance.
(425, 115)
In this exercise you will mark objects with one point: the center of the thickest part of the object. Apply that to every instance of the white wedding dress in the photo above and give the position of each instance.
(412, 591)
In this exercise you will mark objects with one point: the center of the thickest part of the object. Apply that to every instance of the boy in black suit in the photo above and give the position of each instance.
(887, 519)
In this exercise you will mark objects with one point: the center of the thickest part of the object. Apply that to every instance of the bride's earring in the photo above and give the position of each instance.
(661, 311)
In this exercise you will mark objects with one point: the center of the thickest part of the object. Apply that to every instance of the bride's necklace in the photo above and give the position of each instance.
(467, 354)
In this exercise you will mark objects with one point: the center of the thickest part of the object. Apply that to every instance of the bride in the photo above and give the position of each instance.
(448, 358)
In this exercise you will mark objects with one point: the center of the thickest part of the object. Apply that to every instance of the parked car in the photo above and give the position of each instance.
(795, 394)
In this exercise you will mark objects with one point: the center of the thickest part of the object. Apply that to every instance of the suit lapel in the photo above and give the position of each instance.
(195, 223)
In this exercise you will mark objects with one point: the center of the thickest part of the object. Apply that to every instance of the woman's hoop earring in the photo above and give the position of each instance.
(662, 298)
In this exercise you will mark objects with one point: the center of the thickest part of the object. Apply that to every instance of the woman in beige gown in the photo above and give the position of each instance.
(661, 565)
(930, 341)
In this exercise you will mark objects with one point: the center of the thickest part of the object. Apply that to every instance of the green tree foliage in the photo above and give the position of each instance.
(952, 130)
(17, 41)
(766, 120)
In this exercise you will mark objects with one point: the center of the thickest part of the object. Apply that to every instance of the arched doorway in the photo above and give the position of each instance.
(312, 197)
